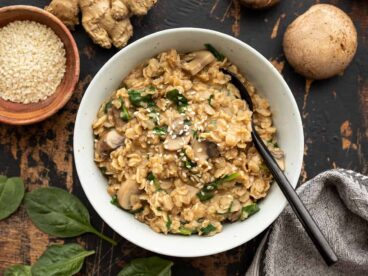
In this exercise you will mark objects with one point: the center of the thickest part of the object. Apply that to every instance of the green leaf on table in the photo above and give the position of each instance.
(59, 213)
(18, 270)
(152, 266)
(11, 195)
(61, 260)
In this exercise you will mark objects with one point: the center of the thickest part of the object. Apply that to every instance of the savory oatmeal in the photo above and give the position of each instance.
(175, 144)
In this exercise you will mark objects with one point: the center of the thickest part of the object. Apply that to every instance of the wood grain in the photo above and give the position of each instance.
(42, 154)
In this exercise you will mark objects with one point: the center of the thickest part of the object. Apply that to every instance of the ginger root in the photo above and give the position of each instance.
(107, 22)
(66, 10)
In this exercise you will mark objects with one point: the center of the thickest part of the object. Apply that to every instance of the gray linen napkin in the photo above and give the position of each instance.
(338, 201)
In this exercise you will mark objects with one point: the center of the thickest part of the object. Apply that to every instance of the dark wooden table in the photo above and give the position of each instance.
(335, 115)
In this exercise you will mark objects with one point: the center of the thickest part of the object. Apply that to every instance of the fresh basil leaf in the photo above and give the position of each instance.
(208, 229)
(152, 266)
(249, 210)
(214, 52)
(59, 213)
(18, 270)
(61, 260)
(11, 195)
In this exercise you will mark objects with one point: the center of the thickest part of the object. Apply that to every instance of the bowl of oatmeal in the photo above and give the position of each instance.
(163, 147)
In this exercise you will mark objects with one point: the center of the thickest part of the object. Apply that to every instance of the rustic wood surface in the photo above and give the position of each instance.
(335, 115)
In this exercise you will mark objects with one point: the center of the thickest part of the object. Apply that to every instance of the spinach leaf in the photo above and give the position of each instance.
(58, 213)
(214, 52)
(169, 222)
(152, 178)
(18, 270)
(11, 195)
(61, 260)
(152, 266)
(124, 114)
(210, 99)
(115, 201)
(248, 211)
(178, 99)
(185, 231)
(160, 131)
(207, 192)
(108, 105)
(208, 229)
(138, 100)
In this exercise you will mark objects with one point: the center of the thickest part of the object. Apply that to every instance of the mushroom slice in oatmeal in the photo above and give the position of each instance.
(175, 144)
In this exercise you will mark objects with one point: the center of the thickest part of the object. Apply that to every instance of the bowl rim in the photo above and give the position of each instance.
(174, 31)
(76, 74)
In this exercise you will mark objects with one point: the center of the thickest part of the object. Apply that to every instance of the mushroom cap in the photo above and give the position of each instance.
(259, 4)
(127, 189)
(321, 42)
(197, 61)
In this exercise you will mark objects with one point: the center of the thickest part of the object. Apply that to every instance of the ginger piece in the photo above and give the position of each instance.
(66, 10)
(102, 27)
(107, 22)
(139, 7)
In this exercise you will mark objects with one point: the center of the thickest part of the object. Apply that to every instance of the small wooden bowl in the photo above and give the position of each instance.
(24, 114)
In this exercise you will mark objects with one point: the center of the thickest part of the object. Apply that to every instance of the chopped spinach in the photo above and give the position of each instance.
(195, 134)
(207, 192)
(216, 53)
(208, 229)
(178, 99)
(124, 114)
(115, 201)
(248, 211)
(185, 231)
(160, 131)
(210, 99)
(153, 178)
(151, 88)
(108, 105)
(138, 100)
(169, 222)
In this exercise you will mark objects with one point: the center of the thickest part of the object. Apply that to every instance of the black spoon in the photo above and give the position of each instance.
(302, 213)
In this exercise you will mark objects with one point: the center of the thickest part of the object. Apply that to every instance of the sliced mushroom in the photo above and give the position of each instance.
(127, 189)
(205, 149)
(176, 143)
(279, 156)
(108, 142)
(196, 61)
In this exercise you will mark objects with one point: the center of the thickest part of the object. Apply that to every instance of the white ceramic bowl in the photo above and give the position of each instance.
(258, 70)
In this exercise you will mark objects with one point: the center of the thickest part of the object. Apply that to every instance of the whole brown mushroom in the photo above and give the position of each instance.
(321, 42)
(259, 4)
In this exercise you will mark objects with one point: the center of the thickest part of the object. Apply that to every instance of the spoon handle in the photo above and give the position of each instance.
(302, 213)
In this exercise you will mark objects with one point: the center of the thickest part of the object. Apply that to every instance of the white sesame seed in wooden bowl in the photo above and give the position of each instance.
(17, 109)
